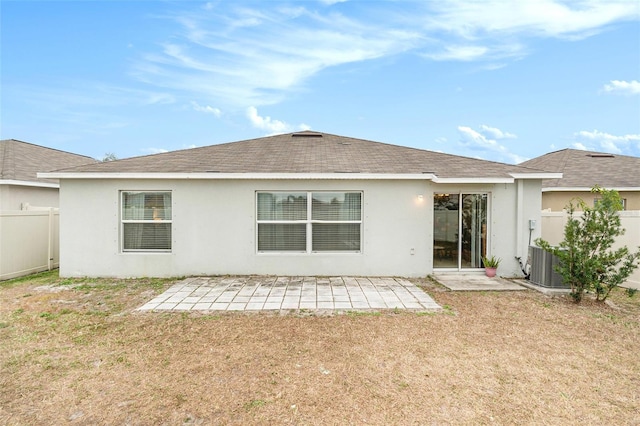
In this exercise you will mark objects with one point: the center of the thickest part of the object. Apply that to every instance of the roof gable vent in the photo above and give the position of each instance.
(601, 155)
(306, 135)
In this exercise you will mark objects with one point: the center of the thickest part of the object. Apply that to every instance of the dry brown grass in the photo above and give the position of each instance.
(82, 356)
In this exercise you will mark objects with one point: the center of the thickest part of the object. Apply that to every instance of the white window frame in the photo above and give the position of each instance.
(309, 222)
(124, 221)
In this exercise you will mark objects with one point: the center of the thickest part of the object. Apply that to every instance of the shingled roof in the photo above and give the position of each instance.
(308, 152)
(21, 161)
(585, 169)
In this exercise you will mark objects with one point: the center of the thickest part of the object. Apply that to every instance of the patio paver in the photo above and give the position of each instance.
(291, 293)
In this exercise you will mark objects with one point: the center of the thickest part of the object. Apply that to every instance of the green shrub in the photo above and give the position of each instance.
(587, 262)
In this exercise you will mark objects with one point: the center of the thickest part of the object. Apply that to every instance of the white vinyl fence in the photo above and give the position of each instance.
(29, 241)
(553, 231)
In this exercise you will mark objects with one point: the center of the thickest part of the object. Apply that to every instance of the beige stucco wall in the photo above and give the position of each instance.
(214, 229)
(553, 224)
(557, 200)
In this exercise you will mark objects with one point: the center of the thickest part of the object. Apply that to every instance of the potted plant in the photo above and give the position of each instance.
(491, 265)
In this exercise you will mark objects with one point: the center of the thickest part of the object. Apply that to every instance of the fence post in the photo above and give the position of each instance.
(50, 244)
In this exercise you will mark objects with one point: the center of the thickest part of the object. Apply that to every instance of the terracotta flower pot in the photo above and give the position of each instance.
(491, 272)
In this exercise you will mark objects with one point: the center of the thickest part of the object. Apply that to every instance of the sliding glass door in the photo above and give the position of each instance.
(459, 230)
(474, 230)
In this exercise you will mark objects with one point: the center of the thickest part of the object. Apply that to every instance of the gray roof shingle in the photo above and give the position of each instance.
(22, 161)
(308, 152)
(585, 169)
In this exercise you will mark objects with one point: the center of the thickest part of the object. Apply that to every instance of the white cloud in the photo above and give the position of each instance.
(491, 30)
(476, 140)
(545, 18)
(240, 55)
(458, 53)
(623, 87)
(517, 159)
(330, 2)
(496, 133)
(451, 49)
(96, 94)
(163, 150)
(158, 98)
(254, 57)
(266, 123)
(578, 145)
(87, 108)
(486, 141)
(206, 109)
(601, 141)
(271, 126)
(155, 150)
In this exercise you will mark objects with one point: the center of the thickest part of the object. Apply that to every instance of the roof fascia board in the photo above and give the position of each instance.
(536, 175)
(276, 176)
(28, 183)
(587, 189)
(243, 176)
(473, 180)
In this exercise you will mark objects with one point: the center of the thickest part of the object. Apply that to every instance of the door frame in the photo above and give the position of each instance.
(460, 194)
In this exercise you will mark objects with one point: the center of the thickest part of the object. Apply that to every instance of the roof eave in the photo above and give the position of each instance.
(461, 180)
(544, 175)
(588, 189)
(28, 183)
(298, 176)
(243, 176)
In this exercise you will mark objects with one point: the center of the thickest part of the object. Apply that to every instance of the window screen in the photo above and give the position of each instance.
(146, 221)
(309, 221)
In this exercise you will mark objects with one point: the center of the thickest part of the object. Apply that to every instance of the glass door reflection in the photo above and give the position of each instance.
(446, 212)
(459, 234)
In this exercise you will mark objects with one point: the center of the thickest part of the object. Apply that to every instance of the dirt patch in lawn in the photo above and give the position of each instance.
(75, 351)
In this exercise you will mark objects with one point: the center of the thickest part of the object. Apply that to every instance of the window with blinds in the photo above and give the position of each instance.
(146, 221)
(308, 222)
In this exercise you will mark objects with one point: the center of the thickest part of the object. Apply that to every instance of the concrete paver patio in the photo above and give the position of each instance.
(260, 293)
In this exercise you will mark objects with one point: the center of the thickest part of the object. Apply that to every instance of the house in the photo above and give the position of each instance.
(28, 220)
(19, 164)
(305, 203)
(581, 171)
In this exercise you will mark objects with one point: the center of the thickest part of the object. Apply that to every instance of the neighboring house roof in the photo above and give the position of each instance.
(306, 153)
(585, 169)
(21, 161)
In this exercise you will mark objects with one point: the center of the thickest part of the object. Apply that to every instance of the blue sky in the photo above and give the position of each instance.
(496, 79)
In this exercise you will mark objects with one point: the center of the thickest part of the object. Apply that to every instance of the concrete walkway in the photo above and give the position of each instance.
(264, 293)
(475, 282)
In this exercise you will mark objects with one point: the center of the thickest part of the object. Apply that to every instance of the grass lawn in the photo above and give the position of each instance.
(74, 351)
